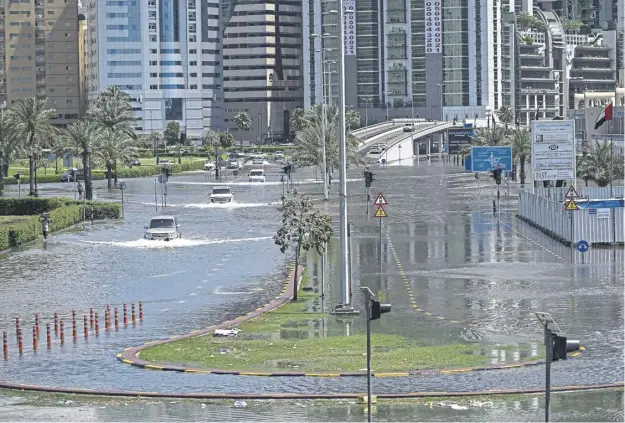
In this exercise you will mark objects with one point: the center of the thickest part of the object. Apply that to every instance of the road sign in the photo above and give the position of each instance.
(383, 161)
(571, 193)
(380, 200)
(224, 156)
(487, 158)
(122, 185)
(458, 138)
(68, 160)
(571, 205)
(592, 211)
(553, 149)
(162, 178)
(582, 246)
(380, 212)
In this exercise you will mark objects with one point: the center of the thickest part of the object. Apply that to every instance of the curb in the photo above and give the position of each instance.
(198, 395)
(131, 355)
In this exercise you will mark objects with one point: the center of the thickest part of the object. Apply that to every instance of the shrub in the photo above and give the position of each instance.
(143, 171)
(46, 179)
(63, 214)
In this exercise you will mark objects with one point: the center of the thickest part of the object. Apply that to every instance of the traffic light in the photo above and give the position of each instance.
(288, 169)
(17, 176)
(72, 174)
(496, 175)
(368, 178)
(166, 171)
(378, 309)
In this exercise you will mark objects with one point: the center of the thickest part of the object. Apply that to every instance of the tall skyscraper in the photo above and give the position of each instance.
(411, 55)
(39, 55)
(164, 54)
(262, 65)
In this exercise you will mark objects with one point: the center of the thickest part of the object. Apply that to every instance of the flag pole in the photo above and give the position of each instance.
(612, 145)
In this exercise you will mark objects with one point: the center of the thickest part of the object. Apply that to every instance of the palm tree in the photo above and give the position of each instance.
(8, 143)
(298, 119)
(601, 165)
(113, 148)
(226, 140)
(32, 125)
(352, 119)
(521, 142)
(243, 122)
(155, 140)
(505, 115)
(308, 147)
(495, 135)
(584, 168)
(113, 111)
(524, 21)
(82, 137)
(210, 141)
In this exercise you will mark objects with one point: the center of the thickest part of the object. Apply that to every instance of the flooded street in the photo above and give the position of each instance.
(474, 278)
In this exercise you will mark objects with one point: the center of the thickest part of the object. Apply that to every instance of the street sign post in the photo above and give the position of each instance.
(380, 213)
(571, 194)
(549, 325)
(487, 158)
(571, 205)
(553, 150)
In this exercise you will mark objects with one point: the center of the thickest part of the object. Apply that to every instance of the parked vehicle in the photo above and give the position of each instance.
(209, 166)
(133, 162)
(163, 228)
(73, 175)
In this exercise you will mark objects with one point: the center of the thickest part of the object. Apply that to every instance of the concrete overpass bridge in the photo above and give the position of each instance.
(427, 138)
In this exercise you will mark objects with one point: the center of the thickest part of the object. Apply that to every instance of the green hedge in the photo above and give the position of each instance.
(46, 179)
(63, 214)
(142, 171)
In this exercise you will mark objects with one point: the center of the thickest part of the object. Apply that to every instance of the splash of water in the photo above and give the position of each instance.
(176, 243)
(232, 205)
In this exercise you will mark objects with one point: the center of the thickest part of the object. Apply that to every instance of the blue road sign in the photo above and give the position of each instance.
(383, 161)
(582, 246)
(487, 158)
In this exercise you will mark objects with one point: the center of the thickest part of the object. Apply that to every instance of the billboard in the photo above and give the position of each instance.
(457, 138)
(433, 27)
(349, 27)
(487, 158)
(553, 150)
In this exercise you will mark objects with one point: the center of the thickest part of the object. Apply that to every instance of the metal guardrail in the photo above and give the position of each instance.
(550, 216)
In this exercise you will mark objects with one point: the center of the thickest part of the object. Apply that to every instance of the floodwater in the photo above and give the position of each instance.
(474, 277)
(600, 406)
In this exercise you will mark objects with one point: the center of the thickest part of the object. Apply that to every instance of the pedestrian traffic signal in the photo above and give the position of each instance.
(288, 169)
(378, 309)
(368, 178)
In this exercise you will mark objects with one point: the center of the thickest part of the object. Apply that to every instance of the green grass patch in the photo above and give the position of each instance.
(290, 338)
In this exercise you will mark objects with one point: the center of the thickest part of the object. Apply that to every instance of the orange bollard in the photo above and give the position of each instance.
(17, 327)
(97, 324)
(141, 310)
(56, 324)
(74, 329)
(106, 320)
(35, 345)
(86, 327)
(116, 319)
(134, 315)
(5, 345)
(20, 341)
(125, 315)
(62, 329)
(48, 336)
(37, 324)
(91, 317)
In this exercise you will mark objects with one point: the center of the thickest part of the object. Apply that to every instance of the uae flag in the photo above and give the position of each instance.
(605, 115)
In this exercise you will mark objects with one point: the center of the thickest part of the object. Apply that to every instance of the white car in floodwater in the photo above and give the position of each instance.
(163, 228)
(257, 175)
(221, 194)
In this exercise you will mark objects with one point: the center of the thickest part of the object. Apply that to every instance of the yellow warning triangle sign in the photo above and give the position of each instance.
(571, 205)
(380, 212)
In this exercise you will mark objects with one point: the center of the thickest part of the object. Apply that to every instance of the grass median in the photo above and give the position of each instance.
(291, 338)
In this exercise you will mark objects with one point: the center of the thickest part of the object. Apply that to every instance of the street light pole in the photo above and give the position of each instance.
(344, 259)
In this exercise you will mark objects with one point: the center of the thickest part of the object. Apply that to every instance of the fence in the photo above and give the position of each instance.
(595, 193)
(572, 226)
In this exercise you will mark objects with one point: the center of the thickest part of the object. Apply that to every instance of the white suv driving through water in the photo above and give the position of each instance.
(221, 194)
(163, 228)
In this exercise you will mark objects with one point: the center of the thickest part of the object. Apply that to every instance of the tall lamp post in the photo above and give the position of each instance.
(367, 101)
(344, 306)
(324, 167)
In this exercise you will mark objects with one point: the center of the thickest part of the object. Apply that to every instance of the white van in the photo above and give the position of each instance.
(409, 127)
(257, 175)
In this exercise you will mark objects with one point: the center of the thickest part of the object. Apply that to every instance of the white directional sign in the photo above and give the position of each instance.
(553, 150)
